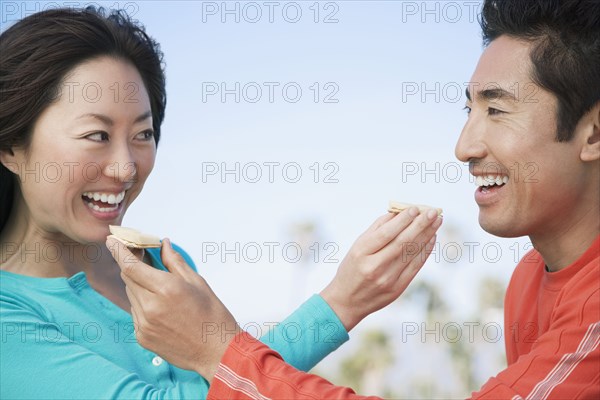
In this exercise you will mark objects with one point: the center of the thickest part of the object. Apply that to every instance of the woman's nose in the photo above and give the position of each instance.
(122, 166)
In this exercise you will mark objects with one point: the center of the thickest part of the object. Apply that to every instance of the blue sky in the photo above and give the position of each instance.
(368, 105)
(398, 73)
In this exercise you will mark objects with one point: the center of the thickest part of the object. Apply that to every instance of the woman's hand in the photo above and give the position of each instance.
(175, 314)
(381, 264)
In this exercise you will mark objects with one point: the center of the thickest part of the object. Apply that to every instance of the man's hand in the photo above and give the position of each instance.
(175, 314)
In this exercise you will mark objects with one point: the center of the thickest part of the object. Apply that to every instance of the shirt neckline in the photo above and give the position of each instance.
(57, 283)
(76, 281)
(557, 279)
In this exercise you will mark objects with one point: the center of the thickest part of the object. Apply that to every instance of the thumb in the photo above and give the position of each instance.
(172, 259)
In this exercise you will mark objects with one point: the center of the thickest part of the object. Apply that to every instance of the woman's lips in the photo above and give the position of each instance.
(104, 205)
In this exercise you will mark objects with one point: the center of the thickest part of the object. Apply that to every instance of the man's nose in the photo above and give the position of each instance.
(471, 144)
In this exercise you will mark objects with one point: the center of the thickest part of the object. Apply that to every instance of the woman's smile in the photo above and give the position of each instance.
(104, 205)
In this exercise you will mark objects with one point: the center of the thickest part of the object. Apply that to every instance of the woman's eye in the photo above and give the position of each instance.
(98, 136)
(146, 135)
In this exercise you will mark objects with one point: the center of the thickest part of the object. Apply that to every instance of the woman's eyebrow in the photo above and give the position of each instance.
(108, 121)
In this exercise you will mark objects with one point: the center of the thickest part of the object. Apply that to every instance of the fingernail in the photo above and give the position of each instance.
(110, 243)
(413, 211)
(431, 214)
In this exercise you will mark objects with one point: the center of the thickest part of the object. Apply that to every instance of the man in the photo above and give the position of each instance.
(532, 139)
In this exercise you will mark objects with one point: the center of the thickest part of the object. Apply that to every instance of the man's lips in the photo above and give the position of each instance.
(491, 180)
(489, 188)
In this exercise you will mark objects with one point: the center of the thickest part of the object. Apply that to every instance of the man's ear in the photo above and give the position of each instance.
(590, 151)
(7, 158)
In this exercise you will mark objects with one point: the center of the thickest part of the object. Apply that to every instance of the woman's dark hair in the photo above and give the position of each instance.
(40, 50)
(565, 52)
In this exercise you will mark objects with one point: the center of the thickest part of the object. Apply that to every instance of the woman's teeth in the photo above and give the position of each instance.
(491, 180)
(110, 199)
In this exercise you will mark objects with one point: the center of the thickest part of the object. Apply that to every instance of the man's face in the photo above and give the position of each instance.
(528, 183)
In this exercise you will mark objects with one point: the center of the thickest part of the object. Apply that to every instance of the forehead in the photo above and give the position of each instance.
(505, 63)
(104, 80)
(106, 87)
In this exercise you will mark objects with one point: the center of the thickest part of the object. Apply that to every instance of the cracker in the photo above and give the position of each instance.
(133, 238)
(396, 207)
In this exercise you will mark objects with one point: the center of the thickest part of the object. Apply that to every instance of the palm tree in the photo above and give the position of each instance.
(364, 371)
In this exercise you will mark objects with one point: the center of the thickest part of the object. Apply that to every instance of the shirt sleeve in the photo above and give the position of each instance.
(564, 362)
(250, 370)
(157, 262)
(38, 361)
(308, 335)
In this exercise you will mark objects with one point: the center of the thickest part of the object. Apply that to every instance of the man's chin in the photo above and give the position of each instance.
(503, 229)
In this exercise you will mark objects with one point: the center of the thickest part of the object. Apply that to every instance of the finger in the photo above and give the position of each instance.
(408, 274)
(139, 291)
(138, 253)
(142, 274)
(136, 319)
(380, 221)
(416, 235)
(388, 231)
(136, 304)
(430, 231)
(137, 316)
(403, 249)
(421, 231)
(401, 272)
(172, 259)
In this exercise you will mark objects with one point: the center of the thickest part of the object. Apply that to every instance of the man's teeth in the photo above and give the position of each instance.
(491, 180)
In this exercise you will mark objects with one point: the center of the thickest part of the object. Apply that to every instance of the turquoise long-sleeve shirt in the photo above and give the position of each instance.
(63, 340)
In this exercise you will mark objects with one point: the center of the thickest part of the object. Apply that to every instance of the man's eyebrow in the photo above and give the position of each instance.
(496, 94)
(108, 121)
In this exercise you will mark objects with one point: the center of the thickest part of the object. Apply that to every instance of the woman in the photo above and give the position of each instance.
(82, 99)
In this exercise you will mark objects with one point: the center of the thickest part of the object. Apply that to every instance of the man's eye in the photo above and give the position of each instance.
(97, 136)
(467, 109)
(494, 111)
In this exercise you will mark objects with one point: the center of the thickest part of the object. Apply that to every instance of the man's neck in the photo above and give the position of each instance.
(561, 249)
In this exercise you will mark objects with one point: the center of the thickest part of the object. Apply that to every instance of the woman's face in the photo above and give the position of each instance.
(90, 153)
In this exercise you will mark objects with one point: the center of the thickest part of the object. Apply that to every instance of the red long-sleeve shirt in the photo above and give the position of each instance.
(552, 333)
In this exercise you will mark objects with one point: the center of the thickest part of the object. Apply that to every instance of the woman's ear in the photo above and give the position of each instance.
(7, 158)
(590, 151)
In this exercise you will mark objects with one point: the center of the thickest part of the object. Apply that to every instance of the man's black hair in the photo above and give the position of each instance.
(566, 49)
